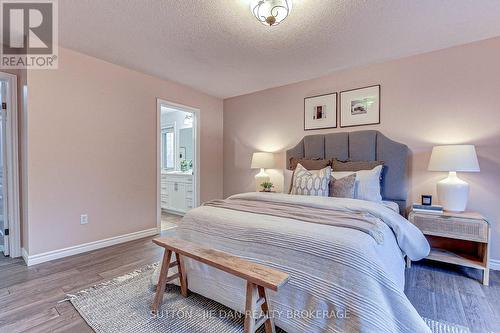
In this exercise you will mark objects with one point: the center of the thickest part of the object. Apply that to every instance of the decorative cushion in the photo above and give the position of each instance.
(314, 182)
(367, 183)
(343, 187)
(309, 164)
(287, 181)
(354, 165)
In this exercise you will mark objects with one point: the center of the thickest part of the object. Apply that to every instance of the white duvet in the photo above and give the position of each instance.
(341, 279)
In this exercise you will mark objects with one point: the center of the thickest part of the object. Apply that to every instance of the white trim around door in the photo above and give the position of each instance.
(196, 159)
(11, 202)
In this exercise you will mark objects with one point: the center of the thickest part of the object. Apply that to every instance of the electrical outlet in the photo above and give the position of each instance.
(84, 219)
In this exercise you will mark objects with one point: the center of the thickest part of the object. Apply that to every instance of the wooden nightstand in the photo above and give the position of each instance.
(456, 238)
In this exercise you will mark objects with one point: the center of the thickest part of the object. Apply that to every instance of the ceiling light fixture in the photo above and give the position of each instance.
(271, 12)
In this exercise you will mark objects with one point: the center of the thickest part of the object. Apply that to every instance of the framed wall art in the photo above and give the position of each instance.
(320, 112)
(360, 106)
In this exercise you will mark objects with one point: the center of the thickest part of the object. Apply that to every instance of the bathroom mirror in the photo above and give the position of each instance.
(186, 144)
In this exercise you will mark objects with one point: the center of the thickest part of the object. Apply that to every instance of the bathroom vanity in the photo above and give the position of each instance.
(176, 191)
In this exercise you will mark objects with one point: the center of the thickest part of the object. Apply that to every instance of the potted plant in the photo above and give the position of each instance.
(267, 186)
(186, 165)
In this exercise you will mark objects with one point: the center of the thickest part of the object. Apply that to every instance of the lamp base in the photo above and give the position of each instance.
(453, 193)
(260, 178)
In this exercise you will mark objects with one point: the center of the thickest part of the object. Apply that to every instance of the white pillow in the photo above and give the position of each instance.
(287, 181)
(314, 182)
(367, 183)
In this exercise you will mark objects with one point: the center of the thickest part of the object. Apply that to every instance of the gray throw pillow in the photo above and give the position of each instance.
(343, 187)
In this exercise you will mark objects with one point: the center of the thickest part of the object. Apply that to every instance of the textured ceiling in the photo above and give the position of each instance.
(216, 46)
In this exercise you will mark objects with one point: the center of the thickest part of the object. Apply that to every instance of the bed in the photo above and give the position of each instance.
(345, 256)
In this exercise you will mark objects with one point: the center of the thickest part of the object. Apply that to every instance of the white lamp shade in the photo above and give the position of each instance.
(262, 160)
(461, 158)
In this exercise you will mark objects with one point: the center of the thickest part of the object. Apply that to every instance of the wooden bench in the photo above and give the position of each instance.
(259, 278)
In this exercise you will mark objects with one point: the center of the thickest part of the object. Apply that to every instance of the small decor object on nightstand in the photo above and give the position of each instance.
(267, 186)
(452, 191)
(427, 200)
(262, 161)
(456, 238)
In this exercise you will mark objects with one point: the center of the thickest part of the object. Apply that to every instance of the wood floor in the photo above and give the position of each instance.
(29, 296)
(454, 294)
(169, 221)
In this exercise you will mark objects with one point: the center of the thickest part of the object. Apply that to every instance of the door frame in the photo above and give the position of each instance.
(12, 201)
(196, 157)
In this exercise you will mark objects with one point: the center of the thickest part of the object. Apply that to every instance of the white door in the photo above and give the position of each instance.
(4, 227)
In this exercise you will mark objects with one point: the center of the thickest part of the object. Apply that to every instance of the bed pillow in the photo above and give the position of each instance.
(287, 181)
(343, 187)
(311, 182)
(309, 164)
(367, 183)
(349, 165)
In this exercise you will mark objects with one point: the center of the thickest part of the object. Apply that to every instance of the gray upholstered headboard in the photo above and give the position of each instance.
(366, 146)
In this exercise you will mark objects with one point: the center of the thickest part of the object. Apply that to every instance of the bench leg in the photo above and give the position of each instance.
(182, 275)
(269, 323)
(257, 301)
(250, 308)
(162, 282)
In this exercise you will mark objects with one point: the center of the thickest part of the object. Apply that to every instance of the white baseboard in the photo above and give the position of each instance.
(77, 249)
(495, 264)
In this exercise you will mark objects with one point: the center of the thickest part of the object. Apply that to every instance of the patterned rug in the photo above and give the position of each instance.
(122, 306)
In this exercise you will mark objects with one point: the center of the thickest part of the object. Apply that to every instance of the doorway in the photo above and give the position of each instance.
(177, 162)
(10, 228)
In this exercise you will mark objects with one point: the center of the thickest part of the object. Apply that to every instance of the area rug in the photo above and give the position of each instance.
(122, 305)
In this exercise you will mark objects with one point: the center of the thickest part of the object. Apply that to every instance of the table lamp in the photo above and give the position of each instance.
(452, 191)
(262, 160)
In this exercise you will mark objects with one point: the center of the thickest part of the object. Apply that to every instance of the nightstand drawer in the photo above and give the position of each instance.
(453, 227)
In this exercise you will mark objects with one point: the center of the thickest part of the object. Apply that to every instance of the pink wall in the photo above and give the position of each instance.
(444, 97)
(92, 149)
